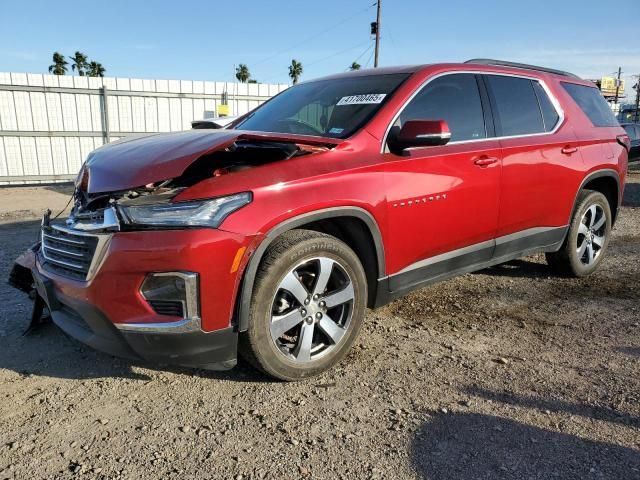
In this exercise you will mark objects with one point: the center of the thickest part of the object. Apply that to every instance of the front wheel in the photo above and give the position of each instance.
(587, 239)
(308, 306)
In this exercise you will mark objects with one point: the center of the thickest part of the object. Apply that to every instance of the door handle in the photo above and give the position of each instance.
(568, 150)
(485, 161)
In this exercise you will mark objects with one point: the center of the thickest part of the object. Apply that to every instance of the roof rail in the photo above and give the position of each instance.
(503, 63)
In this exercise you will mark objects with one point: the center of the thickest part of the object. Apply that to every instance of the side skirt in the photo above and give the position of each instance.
(469, 259)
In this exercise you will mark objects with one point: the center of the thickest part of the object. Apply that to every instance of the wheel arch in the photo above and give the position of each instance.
(605, 181)
(353, 225)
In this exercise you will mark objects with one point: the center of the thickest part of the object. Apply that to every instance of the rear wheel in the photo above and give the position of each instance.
(308, 306)
(587, 239)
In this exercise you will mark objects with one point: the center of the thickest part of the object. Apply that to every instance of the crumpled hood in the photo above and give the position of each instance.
(138, 161)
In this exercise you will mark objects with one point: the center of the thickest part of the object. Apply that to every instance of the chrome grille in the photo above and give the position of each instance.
(67, 253)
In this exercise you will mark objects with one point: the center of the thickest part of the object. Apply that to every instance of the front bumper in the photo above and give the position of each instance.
(108, 312)
(84, 322)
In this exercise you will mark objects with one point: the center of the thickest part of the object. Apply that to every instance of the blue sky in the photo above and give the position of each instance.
(202, 40)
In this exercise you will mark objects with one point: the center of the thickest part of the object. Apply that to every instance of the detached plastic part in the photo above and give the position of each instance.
(20, 276)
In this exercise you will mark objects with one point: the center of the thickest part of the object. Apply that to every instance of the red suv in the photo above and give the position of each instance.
(274, 235)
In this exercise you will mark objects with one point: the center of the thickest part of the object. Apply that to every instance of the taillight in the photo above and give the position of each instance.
(625, 141)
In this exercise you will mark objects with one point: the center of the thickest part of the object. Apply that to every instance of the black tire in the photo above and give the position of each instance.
(292, 253)
(568, 261)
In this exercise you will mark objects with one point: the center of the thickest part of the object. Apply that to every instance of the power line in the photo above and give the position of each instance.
(364, 53)
(369, 59)
(313, 37)
(329, 57)
(337, 53)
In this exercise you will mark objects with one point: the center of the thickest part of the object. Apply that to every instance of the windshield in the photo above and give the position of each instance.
(328, 108)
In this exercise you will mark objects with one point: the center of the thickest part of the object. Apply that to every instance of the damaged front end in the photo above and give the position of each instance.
(131, 186)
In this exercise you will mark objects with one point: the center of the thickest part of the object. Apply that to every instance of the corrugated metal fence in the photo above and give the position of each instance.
(49, 123)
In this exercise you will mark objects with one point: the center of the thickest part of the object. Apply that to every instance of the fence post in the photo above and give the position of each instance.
(104, 107)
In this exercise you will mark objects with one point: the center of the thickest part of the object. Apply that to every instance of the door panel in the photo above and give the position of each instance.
(536, 180)
(540, 154)
(444, 198)
(439, 200)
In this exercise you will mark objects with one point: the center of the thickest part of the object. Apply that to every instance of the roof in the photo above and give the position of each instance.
(372, 71)
(500, 65)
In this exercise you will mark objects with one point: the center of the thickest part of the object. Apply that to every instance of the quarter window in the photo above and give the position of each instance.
(517, 109)
(454, 98)
(592, 103)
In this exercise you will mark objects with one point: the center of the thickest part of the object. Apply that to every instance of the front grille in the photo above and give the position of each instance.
(66, 253)
(167, 307)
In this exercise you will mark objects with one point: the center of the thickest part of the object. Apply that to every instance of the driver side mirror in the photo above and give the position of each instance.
(418, 133)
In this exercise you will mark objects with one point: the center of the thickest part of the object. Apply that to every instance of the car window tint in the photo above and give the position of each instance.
(518, 111)
(454, 98)
(592, 103)
(315, 115)
(631, 131)
(549, 113)
(334, 107)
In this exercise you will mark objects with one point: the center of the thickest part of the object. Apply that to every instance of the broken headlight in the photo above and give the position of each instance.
(194, 213)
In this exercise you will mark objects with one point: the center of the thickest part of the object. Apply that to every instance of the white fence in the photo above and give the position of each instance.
(49, 123)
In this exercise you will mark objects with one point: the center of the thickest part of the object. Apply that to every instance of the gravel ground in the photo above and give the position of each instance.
(506, 373)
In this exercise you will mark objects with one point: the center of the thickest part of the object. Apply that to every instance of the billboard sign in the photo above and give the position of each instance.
(608, 86)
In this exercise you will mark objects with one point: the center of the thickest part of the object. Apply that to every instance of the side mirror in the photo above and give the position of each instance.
(418, 133)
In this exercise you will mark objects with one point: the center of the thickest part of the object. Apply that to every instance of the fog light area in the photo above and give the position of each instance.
(173, 294)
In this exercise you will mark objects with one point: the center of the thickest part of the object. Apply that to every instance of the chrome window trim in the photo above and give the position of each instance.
(552, 98)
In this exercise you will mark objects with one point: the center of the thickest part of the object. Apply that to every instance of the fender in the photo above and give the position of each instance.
(605, 172)
(248, 280)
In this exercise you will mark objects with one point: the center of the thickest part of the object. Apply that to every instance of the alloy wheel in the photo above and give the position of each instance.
(312, 309)
(591, 234)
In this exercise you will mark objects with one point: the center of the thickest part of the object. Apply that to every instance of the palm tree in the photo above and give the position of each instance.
(79, 63)
(242, 73)
(354, 66)
(95, 69)
(59, 66)
(295, 70)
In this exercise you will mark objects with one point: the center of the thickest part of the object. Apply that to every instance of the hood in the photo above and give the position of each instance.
(137, 161)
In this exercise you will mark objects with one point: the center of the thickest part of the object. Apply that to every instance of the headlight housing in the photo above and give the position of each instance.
(194, 213)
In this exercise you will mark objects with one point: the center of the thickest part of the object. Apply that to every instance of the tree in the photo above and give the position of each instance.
(59, 66)
(252, 80)
(95, 69)
(354, 66)
(295, 70)
(242, 73)
(79, 63)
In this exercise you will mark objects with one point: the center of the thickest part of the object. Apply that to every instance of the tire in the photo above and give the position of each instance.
(308, 305)
(587, 239)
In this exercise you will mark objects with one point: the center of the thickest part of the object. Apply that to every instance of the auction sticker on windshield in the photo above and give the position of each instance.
(367, 98)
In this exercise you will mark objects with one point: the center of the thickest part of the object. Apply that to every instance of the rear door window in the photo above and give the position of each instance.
(592, 103)
(454, 98)
(550, 115)
(517, 111)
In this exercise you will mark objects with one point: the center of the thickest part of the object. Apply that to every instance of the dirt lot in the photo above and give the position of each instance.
(506, 373)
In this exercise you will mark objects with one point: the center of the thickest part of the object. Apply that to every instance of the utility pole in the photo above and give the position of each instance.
(618, 86)
(375, 60)
(637, 87)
